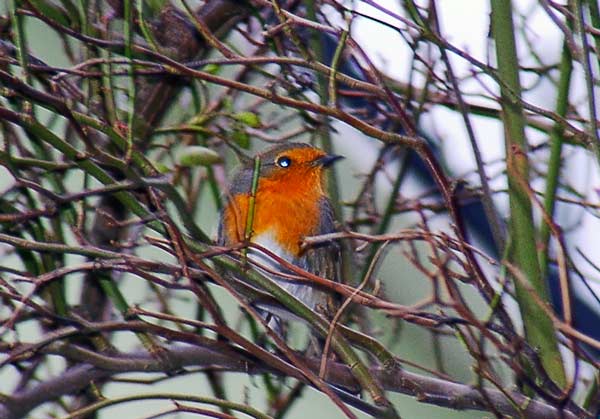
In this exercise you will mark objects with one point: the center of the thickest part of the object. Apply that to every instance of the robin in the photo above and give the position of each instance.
(290, 204)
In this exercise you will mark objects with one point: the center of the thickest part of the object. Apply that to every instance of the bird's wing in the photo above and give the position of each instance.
(324, 259)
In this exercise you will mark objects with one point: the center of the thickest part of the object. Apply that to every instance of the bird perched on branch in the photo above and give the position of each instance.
(289, 202)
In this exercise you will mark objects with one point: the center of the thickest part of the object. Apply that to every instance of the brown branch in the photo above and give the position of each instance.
(426, 389)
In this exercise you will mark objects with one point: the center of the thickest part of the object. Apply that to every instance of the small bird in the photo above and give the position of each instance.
(290, 204)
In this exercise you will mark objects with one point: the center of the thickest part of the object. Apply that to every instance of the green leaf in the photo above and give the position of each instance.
(53, 12)
(227, 104)
(211, 68)
(199, 120)
(241, 137)
(155, 6)
(162, 168)
(198, 156)
(68, 9)
(250, 119)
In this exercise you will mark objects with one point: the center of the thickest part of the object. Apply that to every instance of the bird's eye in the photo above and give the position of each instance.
(283, 161)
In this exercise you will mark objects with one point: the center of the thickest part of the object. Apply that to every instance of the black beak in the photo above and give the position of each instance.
(328, 159)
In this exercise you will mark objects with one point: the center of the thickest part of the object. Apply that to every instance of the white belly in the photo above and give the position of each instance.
(305, 293)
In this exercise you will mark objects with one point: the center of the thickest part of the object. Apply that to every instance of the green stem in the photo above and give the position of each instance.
(144, 26)
(595, 18)
(334, 65)
(20, 40)
(554, 163)
(251, 205)
(589, 76)
(592, 393)
(131, 91)
(108, 89)
(85, 411)
(252, 200)
(539, 329)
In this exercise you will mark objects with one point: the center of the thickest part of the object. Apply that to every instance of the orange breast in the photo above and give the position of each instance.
(288, 208)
